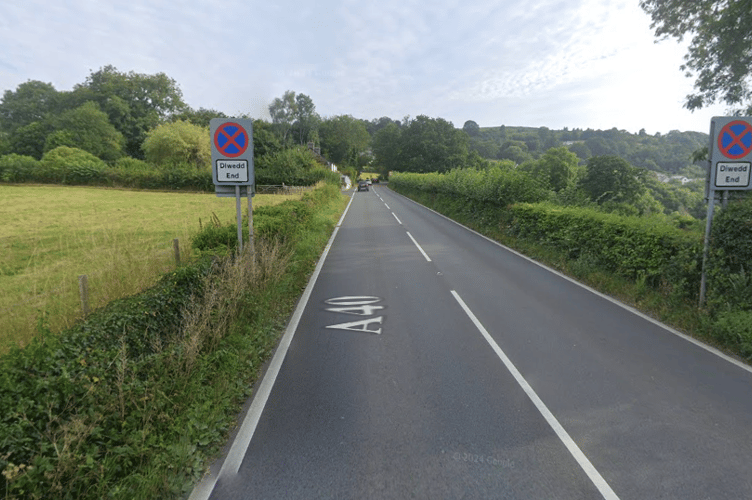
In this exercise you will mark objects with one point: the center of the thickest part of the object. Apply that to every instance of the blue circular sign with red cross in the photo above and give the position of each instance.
(231, 140)
(735, 140)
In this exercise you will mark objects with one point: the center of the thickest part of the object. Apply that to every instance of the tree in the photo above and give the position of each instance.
(134, 102)
(283, 112)
(431, 145)
(612, 179)
(201, 117)
(720, 51)
(264, 140)
(87, 128)
(471, 128)
(344, 139)
(306, 118)
(179, 143)
(32, 102)
(557, 167)
(386, 148)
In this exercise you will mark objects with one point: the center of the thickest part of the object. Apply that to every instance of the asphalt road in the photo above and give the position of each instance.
(426, 361)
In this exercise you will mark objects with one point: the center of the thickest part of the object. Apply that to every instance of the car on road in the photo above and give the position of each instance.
(362, 186)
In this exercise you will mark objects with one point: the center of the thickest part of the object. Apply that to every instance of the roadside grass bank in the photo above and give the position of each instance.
(135, 401)
(656, 271)
(121, 240)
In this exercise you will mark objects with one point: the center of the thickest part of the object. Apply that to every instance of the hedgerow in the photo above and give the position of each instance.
(133, 401)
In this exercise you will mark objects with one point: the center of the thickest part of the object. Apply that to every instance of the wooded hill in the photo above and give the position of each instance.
(671, 153)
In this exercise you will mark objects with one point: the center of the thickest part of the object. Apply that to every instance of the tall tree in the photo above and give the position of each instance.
(720, 50)
(471, 128)
(283, 111)
(344, 139)
(31, 102)
(432, 145)
(87, 128)
(610, 178)
(306, 118)
(134, 102)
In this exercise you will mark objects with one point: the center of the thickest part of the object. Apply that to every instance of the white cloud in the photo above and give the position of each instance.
(585, 63)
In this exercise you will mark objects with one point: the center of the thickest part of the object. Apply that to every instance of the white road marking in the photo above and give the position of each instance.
(395, 216)
(419, 247)
(248, 427)
(582, 460)
(631, 309)
(387, 206)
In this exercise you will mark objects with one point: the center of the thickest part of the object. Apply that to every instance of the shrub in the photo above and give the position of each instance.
(734, 328)
(17, 168)
(66, 165)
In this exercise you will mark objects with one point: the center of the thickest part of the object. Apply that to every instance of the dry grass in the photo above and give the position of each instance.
(122, 240)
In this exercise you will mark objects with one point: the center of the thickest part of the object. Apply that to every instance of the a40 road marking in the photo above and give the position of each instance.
(358, 305)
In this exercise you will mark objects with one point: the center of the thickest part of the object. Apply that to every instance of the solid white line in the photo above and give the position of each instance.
(631, 309)
(582, 460)
(253, 415)
(419, 247)
(395, 216)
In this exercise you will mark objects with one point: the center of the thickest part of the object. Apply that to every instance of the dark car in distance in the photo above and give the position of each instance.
(362, 186)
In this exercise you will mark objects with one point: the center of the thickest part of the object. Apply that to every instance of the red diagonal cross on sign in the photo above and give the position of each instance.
(735, 139)
(228, 143)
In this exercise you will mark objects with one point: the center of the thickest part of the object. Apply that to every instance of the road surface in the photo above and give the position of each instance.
(426, 361)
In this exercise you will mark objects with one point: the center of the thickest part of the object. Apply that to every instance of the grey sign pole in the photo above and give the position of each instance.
(240, 218)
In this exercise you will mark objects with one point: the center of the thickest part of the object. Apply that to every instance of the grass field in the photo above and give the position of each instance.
(122, 241)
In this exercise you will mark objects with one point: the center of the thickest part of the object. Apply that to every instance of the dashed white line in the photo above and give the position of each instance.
(387, 206)
(574, 450)
(395, 216)
(419, 247)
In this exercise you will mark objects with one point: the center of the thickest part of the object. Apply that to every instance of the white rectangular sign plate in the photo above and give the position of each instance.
(732, 174)
(232, 171)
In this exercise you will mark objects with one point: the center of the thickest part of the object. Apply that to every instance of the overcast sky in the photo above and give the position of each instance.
(554, 63)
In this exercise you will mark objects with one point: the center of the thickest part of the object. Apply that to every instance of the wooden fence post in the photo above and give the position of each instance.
(176, 247)
(83, 290)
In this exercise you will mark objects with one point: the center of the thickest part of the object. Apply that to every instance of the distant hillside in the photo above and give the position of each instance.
(670, 153)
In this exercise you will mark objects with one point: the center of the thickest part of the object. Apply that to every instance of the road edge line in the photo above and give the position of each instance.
(242, 440)
(587, 466)
(670, 329)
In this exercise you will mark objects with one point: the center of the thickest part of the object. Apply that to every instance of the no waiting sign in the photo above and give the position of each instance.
(730, 152)
(232, 152)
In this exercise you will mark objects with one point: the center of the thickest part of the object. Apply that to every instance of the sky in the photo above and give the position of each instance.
(551, 63)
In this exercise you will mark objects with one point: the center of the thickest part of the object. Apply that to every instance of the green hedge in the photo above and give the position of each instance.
(631, 247)
(65, 165)
(106, 409)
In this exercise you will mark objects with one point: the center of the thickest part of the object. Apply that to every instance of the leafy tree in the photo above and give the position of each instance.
(283, 112)
(306, 118)
(29, 140)
(471, 128)
(431, 145)
(344, 139)
(386, 148)
(612, 179)
(515, 151)
(720, 50)
(87, 128)
(179, 143)
(557, 168)
(134, 102)
(32, 102)
(200, 117)
(264, 140)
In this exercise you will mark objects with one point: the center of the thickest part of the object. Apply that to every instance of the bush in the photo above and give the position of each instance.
(734, 328)
(17, 168)
(294, 167)
(66, 165)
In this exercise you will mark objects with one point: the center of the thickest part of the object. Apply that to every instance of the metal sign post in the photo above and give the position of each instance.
(729, 168)
(232, 166)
